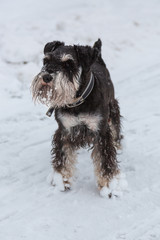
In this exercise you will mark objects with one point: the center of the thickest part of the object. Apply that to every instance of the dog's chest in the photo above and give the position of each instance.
(92, 121)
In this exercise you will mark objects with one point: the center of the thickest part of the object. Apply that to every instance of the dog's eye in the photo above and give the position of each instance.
(69, 63)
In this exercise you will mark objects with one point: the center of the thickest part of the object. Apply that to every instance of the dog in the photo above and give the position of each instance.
(75, 83)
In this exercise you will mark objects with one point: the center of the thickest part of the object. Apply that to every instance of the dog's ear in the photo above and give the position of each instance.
(51, 46)
(86, 56)
(98, 44)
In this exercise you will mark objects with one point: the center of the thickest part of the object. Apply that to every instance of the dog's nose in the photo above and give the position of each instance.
(47, 78)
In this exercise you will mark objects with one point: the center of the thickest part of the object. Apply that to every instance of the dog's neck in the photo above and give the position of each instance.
(82, 93)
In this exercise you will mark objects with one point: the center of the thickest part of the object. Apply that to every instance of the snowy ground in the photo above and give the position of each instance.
(29, 207)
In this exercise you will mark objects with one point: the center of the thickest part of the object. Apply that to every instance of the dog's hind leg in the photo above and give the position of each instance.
(105, 162)
(64, 158)
(115, 122)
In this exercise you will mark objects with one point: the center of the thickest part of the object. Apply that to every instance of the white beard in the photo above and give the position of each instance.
(58, 92)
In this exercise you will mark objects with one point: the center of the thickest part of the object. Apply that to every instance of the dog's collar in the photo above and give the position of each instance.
(78, 101)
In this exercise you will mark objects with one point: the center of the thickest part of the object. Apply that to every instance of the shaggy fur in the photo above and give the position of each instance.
(95, 123)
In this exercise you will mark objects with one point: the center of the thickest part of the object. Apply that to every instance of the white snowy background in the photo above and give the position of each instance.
(29, 207)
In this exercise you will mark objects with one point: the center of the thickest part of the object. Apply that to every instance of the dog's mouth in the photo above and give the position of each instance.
(45, 94)
(41, 91)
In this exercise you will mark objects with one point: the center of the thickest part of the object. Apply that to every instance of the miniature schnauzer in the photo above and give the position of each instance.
(75, 83)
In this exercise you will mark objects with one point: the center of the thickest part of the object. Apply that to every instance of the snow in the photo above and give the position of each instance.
(30, 208)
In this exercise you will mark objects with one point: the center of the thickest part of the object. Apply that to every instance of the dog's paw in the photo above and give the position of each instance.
(66, 183)
(57, 181)
(50, 178)
(116, 187)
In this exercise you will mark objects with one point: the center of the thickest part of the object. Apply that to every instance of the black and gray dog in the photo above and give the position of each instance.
(75, 82)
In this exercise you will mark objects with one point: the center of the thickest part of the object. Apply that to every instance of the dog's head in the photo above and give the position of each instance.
(61, 75)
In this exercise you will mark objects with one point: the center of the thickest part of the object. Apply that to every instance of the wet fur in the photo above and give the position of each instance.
(101, 102)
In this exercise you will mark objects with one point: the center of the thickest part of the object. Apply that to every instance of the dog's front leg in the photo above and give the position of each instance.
(64, 158)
